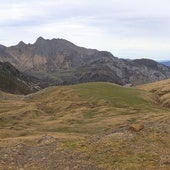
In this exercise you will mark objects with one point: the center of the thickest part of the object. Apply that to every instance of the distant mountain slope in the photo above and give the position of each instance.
(167, 63)
(61, 62)
(161, 89)
(13, 81)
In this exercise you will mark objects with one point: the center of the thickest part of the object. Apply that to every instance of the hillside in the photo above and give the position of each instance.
(13, 81)
(59, 62)
(161, 90)
(87, 126)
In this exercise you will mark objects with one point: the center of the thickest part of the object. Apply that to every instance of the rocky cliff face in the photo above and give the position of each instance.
(61, 62)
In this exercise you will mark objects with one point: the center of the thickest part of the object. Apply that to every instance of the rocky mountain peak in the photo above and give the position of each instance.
(40, 40)
(21, 44)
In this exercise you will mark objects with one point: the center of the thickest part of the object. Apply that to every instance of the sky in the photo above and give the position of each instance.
(127, 28)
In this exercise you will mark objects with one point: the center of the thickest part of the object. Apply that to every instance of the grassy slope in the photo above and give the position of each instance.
(92, 119)
(161, 90)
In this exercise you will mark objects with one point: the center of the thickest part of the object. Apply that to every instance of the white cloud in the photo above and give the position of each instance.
(124, 27)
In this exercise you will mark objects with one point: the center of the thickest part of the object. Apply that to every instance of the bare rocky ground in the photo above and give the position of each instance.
(122, 148)
(43, 153)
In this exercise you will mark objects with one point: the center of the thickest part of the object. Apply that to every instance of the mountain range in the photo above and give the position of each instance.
(167, 63)
(60, 62)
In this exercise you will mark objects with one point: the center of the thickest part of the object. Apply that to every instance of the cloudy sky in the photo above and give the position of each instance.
(127, 28)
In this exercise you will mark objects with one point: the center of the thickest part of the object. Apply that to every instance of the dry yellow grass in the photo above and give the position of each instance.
(161, 90)
(91, 120)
